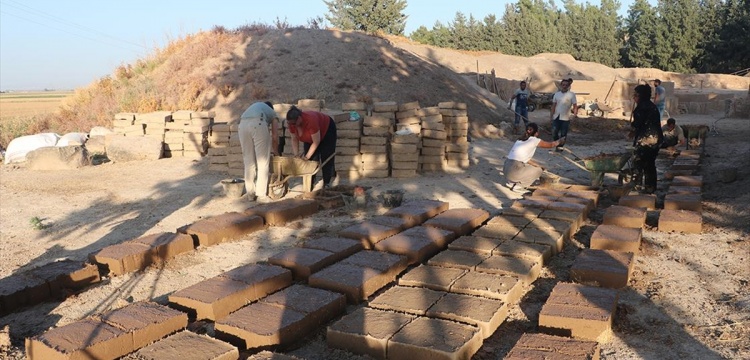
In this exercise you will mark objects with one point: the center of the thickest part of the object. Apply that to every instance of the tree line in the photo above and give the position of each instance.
(674, 35)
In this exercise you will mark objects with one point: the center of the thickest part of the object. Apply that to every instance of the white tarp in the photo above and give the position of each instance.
(20, 146)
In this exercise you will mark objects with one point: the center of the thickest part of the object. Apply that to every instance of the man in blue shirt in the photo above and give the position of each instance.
(660, 97)
(522, 105)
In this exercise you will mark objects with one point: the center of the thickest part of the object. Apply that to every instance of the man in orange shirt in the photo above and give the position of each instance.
(318, 132)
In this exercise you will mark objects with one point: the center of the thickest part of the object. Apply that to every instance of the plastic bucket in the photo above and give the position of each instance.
(233, 188)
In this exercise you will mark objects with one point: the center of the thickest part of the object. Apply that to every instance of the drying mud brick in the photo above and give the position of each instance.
(684, 190)
(186, 345)
(20, 290)
(535, 252)
(579, 311)
(391, 221)
(575, 219)
(124, 258)
(687, 180)
(497, 231)
(487, 314)
(548, 237)
(460, 221)
(526, 270)
(281, 212)
(592, 195)
(264, 278)
(418, 211)
(361, 274)
(410, 300)
(510, 221)
(146, 322)
(457, 259)
(617, 238)
(640, 201)
(366, 331)
(268, 355)
(475, 244)
(166, 245)
(624, 216)
(537, 203)
(606, 268)
(303, 261)
(561, 226)
(341, 247)
(509, 289)
(67, 274)
(441, 237)
(416, 249)
(569, 207)
(530, 214)
(319, 305)
(690, 202)
(432, 277)
(84, 339)
(368, 233)
(685, 221)
(221, 228)
(587, 202)
(417, 340)
(542, 346)
(378, 260)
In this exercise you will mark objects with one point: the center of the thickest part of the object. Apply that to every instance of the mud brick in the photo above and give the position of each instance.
(372, 149)
(526, 270)
(548, 237)
(685, 221)
(624, 216)
(403, 148)
(369, 166)
(644, 201)
(166, 245)
(368, 233)
(124, 258)
(508, 289)
(427, 142)
(303, 261)
(575, 219)
(341, 247)
(497, 231)
(487, 314)
(356, 282)
(549, 192)
(687, 180)
(437, 152)
(399, 223)
(261, 324)
(457, 259)
(460, 221)
(690, 202)
(529, 213)
(385, 106)
(606, 268)
(561, 226)
(539, 204)
(84, 339)
(268, 355)
(542, 346)
(432, 277)
(457, 148)
(592, 195)
(433, 126)
(213, 298)
(378, 260)
(405, 139)
(535, 252)
(410, 300)
(146, 322)
(318, 305)
(200, 347)
(441, 237)
(536, 197)
(579, 311)
(617, 238)
(434, 134)
(587, 202)
(509, 221)
(349, 134)
(569, 207)
(376, 131)
(19, 290)
(264, 278)
(475, 244)
(370, 140)
(377, 174)
(281, 212)
(349, 126)
(67, 274)
(418, 211)
(347, 150)
(366, 331)
(374, 158)
(417, 340)
(224, 227)
(685, 164)
(684, 190)
(416, 249)
(671, 174)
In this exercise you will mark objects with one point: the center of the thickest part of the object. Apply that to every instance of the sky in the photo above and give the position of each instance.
(65, 44)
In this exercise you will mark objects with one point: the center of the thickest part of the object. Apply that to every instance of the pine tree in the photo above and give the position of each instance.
(641, 35)
(730, 51)
(681, 35)
(368, 15)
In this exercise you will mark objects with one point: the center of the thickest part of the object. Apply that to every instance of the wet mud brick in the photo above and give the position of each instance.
(281, 318)
(341, 247)
(684, 190)
(366, 331)
(641, 201)
(361, 274)
(624, 216)
(507, 288)
(560, 226)
(84, 339)
(690, 202)
(569, 207)
(549, 237)
(392, 221)
(431, 277)
(457, 259)
(19, 290)
(510, 221)
(166, 245)
(417, 340)
(175, 347)
(303, 261)
(529, 213)
(268, 355)
(417, 243)
(418, 211)
(281, 212)
(146, 322)
(487, 314)
(526, 270)
(618, 238)
(592, 195)
(687, 180)
(579, 311)
(475, 244)
(607, 268)
(410, 300)
(368, 233)
(498, 231)
(460, 221)
(685, 221)
(535, 252)
(588, 202)
(531, 204)
(221, 228)
(543, 346)
(216, 297)
(574, 218)
(67, 274)
(124, 258)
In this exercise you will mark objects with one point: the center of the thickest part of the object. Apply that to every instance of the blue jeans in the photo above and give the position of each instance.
(522, 113)
(661, 110)
(559, 129)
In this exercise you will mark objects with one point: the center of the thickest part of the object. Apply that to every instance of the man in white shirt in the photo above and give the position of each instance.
(564, 108)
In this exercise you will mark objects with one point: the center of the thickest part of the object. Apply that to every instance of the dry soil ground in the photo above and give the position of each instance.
(689, 297)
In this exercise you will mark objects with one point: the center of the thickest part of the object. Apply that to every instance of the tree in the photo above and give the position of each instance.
(730, 51)
(368, 15)
(681, 35)
(642, 33)
(532, 27)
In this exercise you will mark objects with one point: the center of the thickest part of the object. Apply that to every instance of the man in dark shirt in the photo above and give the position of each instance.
(647, 136)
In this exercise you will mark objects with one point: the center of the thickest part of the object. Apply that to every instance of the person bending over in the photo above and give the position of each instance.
(318, 132)
(519, 168)
(673, 135)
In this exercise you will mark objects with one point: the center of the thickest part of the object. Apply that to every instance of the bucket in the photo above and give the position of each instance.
(393, 198)
(233, 188)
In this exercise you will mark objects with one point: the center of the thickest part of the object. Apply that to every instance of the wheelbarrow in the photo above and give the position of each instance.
(597, 166)
(284, 168)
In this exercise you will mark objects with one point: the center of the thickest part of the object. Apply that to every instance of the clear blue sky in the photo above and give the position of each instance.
(64, 44)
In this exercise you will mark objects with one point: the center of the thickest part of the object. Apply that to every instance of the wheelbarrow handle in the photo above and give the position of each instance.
(320, 166)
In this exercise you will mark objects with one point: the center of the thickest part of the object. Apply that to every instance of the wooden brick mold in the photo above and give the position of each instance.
(606, 268)
(579, 311)
(174, 347)
(542, 346)
(281, 212)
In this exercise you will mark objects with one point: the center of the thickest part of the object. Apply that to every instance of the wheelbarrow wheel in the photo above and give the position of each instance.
(531, 107)
(598, 113)
(278, 189)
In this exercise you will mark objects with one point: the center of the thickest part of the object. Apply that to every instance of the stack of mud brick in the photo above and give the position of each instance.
(404, 146)
(376, 134)
(154, 123)
(219, 147)
(348, 158)
(434, 136)
(281, 110)
(456, 122)
(682, 204)
(187, 134)
(124, 123)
